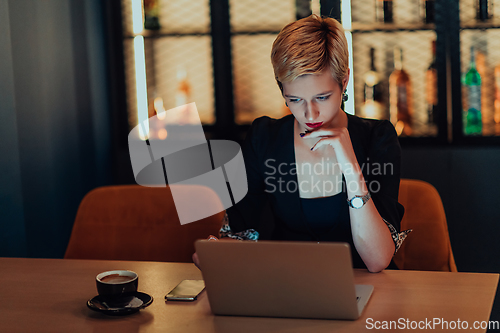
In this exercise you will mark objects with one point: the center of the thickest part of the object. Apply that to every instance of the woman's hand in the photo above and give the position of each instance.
(371, 236)
(340, 141)
(196, 260)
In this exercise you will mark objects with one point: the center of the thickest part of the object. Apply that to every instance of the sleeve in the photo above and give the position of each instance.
(226, 232)
(246, 214)
(382, 174)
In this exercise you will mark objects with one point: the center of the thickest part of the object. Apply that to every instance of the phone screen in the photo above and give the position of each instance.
(186, 290)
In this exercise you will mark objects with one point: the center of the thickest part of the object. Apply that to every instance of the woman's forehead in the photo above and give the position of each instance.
(311, 83)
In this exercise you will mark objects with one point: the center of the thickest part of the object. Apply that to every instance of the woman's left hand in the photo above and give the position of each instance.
(340, 141)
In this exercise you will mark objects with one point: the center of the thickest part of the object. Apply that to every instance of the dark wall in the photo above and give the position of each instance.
(54, 120)
(12, 226)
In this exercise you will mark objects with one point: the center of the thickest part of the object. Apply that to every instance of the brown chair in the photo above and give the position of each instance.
(133, 222)
(427, 247)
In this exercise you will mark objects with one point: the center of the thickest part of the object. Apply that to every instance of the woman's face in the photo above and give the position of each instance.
(315, 100)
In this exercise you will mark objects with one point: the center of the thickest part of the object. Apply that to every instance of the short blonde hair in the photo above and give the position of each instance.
(309, 46)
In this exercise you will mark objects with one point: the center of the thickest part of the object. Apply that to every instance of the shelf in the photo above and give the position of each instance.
(255, 32)
(170, 33)
(480, 25)
(413, 35)
(390, 27)
(167, 33)
(423, 130)
(489, 130)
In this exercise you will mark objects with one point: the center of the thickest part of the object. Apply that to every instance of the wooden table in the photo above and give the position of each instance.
(50, 295)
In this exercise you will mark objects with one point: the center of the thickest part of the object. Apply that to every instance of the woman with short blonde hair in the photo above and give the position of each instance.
(317, 168)
(309, 46)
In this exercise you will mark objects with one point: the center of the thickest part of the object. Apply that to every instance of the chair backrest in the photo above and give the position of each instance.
(428, 246)
(133, 222)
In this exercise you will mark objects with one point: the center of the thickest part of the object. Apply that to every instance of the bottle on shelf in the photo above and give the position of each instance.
(186, 112)
(373, 105)
(159, 107)
(384, 11)
(480, 54)
(473, 124)
(431, 88)
(157, 128)
(428, 11)
(484, 10)
(183, 91)
(151, 15)
(496, 115)
(400, 96)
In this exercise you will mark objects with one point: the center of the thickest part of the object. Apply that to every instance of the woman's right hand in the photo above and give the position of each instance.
(196, 260)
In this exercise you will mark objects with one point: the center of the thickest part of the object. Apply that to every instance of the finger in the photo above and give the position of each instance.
(320, 134)
(196, 260)
(322, 142)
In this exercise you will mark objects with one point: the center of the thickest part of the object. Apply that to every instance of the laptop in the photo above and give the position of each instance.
(281, 279)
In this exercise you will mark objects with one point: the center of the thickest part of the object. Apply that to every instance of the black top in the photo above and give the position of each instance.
(334, 226)
(322, 224)
(269, 155)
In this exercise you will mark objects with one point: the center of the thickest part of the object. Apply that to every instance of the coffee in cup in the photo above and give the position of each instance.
(117, 284)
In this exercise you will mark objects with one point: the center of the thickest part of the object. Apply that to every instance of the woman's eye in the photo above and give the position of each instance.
(294, 100)
(323, 98)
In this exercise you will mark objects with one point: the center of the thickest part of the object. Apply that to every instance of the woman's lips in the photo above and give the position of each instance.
(314, 125)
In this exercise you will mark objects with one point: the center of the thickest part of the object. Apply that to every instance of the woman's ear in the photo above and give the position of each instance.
(345, 80)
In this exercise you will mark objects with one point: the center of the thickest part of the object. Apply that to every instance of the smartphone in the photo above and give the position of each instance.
(186, 290)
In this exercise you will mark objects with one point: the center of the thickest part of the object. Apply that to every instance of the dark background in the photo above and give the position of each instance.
(59, 138)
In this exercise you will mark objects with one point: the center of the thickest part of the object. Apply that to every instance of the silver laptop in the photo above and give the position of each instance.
(281, 279)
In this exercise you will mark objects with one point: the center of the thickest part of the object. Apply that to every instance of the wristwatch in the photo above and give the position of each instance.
(359, 201)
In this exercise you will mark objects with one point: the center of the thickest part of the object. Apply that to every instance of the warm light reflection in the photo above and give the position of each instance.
(372, 109)
(399, 127)
(143, 136)
(162, 134)
(137, 16)
(140, 83)
(159, 108)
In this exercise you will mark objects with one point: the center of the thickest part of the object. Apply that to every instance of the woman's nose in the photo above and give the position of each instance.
(312, 111)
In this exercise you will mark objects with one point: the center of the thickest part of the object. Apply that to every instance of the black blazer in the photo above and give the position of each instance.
(269, 155)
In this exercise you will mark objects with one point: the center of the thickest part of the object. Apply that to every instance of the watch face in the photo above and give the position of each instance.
(357, 202)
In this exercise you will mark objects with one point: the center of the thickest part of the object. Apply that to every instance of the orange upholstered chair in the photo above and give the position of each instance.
(133, 222)
(428, 246)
